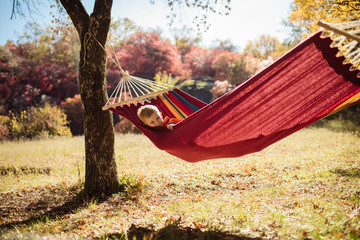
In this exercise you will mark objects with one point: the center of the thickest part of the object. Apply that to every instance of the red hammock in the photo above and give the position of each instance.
(306, 84)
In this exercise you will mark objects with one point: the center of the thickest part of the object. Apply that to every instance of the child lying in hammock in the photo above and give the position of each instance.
(151, 116)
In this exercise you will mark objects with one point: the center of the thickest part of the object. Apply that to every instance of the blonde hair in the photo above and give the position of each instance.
(146, 111)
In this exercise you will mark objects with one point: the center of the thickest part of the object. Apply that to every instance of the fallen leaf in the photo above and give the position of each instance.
(346, 203)
(199, 225)
(338, 234)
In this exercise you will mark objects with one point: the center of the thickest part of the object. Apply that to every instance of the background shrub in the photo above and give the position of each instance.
(125, 126)
(74, 112)
(48, 120)
(34, 122)
(4, 127)
(347, 120)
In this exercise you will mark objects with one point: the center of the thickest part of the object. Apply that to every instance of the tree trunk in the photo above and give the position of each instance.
(100, 173)
(101, 177)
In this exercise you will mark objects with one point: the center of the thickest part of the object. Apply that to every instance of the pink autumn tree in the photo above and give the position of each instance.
(146, 54)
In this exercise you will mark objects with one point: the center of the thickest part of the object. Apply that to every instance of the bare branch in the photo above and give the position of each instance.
(203, 8)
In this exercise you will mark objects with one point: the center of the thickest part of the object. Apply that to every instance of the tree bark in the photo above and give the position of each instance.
(101, 177)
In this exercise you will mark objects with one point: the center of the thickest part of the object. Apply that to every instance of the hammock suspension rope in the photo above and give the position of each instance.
(132, 89)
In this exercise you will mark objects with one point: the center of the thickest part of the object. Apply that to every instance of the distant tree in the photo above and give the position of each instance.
(263, 46)
(295, 33)
(185, 39)
(220, 88)
(254, 65)
(200, 61)
(120, 30)
(219, 64)
(8, 79)
(74, 114)
(17, 79)
(225, 45)
(31, 78)
(240, 71)
(36, 42)
(232, 67)
(223, 64)
(145, 54)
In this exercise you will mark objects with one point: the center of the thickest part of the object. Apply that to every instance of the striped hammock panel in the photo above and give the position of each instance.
(347, 103)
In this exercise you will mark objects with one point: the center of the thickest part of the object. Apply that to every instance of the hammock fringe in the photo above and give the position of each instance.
(346, 37)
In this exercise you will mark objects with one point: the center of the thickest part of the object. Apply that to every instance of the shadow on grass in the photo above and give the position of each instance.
(25, 206)
(339, 124)
(350, 172)
(175, 232)
(28, 206)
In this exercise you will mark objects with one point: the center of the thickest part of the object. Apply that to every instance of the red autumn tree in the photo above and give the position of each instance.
(28, 77)
(146, 54)
(16, 92)
(200, 61)
(223, 64)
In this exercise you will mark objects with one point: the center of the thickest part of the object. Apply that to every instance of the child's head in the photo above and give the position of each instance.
(150, 115)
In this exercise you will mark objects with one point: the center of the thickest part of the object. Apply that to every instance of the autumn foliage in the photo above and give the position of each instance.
(306, 14)
(145, 54)
(39, 70)
(27, 81)
(72, 107)
(200, 60)
(34, 122)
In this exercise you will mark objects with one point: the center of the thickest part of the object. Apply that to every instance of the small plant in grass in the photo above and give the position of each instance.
(121, 236)
(132, 185)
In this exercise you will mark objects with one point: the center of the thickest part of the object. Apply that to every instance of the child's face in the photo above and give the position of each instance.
(155, 120)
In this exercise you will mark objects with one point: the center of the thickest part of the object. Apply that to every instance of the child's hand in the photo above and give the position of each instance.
(170, 127)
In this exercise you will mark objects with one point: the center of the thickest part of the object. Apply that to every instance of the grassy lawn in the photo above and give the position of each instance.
(306, 186)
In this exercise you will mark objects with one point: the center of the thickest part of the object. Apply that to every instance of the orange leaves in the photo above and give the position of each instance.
(346, 203)
(315, 206)
(249, 169)
(81, 222)
(339, 235)
(199, 225)
(197, 198)
(216, 182)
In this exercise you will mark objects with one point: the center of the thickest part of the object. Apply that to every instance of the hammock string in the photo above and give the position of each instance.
(130, 86)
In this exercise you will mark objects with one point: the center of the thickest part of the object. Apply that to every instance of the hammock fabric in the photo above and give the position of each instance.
(305, 85)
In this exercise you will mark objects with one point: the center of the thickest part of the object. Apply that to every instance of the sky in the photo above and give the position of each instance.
(247, 19)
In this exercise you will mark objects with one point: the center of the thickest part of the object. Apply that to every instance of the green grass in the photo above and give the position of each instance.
(306, 186)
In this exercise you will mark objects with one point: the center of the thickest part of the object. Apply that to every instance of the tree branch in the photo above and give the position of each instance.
(13, 10)
(102, 14)
(77, 13)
